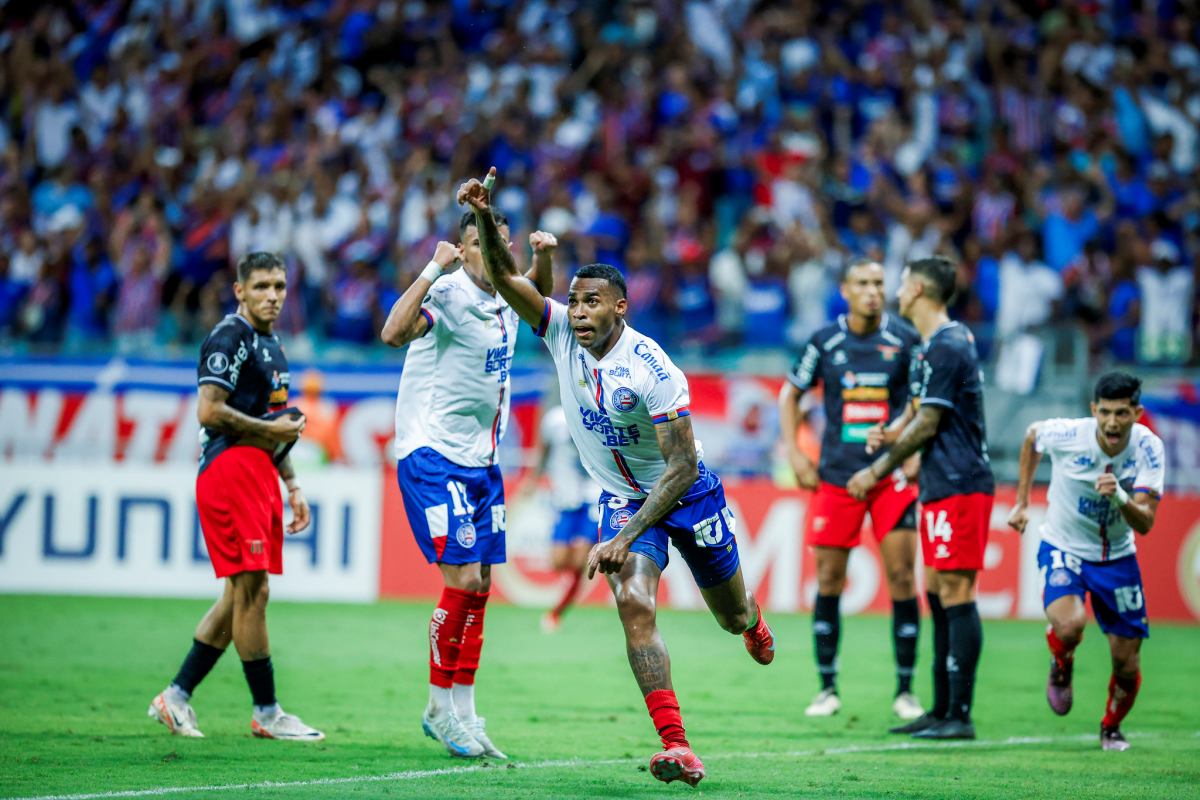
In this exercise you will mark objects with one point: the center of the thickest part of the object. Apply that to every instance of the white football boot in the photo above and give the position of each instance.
(476, 729)
(825, 704)
(172, 710)
(907, 707)
(282, 725)
(446, 728)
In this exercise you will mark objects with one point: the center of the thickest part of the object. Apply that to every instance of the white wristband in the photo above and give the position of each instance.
(432, 271)
(1120, 496)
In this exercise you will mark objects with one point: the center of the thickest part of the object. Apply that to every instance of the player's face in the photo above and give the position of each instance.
(863, 290)
(910, 289)
(261, 296)
(472, 255)
(1114, 421)
(594, 307)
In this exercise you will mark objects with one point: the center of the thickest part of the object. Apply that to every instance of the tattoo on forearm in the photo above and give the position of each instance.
(912, 439)
(230, 420)
(286, 470)
(496, 255)
(651, 667)
(679, 449)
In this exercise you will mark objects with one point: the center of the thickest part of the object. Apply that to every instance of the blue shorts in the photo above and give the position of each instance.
(1116, 588)
(456, 513)
(575, 524)
(701, 527)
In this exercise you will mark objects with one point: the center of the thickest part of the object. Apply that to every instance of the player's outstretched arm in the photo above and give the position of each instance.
(789, 422)
(1030, 458)
(405, 322)
(914, 436)
(213, 412)
(678, 447)
(519, 291)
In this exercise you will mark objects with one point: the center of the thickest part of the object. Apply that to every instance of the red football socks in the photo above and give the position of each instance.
(446, 635)
(1062, 654)
(1121, 694)
(472, 638)
(569, 594)
(664, 711)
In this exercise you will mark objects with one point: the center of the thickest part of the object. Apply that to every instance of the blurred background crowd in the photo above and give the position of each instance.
(729, 156)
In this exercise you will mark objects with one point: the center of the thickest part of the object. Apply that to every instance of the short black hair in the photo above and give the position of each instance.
(467, 220)
(854, 263)
(252, 262)
(939, 272)
(1118, 386)
(605, 272)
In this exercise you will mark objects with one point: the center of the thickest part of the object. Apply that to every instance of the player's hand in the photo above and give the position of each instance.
(608, 556)
(286, 429)
(445, 255)
(1018, 518)
(861, 483)
(543, 242)
(301, 515)
(475, 194)
(805, 472)
(1106, 484)
(876, 438)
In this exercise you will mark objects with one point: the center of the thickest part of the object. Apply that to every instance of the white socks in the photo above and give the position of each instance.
(464, 701)
(440, 700)
(263, 713)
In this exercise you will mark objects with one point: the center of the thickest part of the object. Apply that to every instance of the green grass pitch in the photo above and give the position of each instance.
(76, 676)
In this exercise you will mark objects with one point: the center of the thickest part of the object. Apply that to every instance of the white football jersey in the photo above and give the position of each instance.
(613, 404)
(1079, 521)
(454, 390)
(570, 485)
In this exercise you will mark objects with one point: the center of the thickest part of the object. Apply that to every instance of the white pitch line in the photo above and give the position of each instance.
(417, 774)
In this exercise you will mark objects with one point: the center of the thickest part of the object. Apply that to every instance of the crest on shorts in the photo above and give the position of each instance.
(218, 363)
(1059, 577)
(465, 534)
(620, 518)
(624, 398)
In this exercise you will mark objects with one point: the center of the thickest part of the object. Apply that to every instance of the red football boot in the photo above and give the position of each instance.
(760, 641)
(677, 764)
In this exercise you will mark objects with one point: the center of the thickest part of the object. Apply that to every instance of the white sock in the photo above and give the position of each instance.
(464, 701)
(178, 694)
(267, 712)
(440, 700)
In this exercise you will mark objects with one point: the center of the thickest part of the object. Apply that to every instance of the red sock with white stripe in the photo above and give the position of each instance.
(664, 711)
(1121, 694)
(569, 594)
(1063, 656)
(445, 642)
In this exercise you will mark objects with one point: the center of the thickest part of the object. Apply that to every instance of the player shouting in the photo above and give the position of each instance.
(862, 360)
(946, 425)
(627, 411)
(451, 413)
(243, 375)
(1108, 475)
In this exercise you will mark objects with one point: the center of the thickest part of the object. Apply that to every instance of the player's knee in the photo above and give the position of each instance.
(253, 589)
(1070, 630)
(901, 582)
(636, 608)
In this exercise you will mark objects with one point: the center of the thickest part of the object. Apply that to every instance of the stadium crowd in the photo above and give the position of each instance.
(729, 156)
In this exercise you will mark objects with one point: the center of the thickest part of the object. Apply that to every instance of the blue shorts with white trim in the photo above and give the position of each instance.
(456, 513)
(701, 527)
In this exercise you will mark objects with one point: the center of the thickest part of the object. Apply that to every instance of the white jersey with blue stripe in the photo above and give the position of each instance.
(613, 404)
(454, 390)
(1079, 521)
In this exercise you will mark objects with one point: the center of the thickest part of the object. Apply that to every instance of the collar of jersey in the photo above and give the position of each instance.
(621, 344)
(844, 324)
(475, 289)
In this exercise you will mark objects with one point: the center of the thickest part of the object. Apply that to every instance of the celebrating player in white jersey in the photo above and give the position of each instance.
(573, 494)
(451, 413)
(627, 411)
(1106, 482)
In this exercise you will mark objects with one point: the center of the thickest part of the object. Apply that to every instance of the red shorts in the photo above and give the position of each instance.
(954, 531)
(835, 519)
(241, 512)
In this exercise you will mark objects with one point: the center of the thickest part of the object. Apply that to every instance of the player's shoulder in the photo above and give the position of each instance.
(449, 291)
(1148, 444)
(952, 340)
(646, 362)
(231, 330)
(830, 336)
(900, 329)
(1065, 430)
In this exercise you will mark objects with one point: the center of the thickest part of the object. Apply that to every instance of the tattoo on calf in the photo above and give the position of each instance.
(651, 667)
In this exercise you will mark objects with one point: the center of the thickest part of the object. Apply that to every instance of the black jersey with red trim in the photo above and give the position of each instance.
(248, 364)
(866, 382)
(946, 374)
